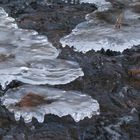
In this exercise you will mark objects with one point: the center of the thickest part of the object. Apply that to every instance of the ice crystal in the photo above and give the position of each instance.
(98, 31)
(64, 103)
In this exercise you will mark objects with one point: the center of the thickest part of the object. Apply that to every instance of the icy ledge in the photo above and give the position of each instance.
(30, 58)
(98, 31)
(63, 103)
(24, 45)
(99, 3)
(52, 72)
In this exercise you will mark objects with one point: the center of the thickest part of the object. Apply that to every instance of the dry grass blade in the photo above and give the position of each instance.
(31, 100)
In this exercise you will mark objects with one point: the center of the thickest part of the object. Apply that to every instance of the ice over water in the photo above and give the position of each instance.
(52, 72)
(98, 3)
(98, 30)
(75, 104)
(30, 58)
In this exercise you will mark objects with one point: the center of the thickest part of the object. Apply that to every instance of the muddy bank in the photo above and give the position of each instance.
(107, 78)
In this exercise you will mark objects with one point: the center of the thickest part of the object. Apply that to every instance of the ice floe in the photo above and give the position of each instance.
(29, 57)
(6, 21)
(98, 31)
(50, 101)
(52, 72)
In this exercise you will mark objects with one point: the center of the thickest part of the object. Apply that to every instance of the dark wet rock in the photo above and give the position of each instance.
(50, 132)
(127, 98)
(8, 137)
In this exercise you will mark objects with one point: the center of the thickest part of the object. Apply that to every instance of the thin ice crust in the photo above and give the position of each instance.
(30, 58)
(72, 103)
(99, 31)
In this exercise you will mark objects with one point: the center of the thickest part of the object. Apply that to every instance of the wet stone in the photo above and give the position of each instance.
(20, 136)
(50, 132)
(8, 137)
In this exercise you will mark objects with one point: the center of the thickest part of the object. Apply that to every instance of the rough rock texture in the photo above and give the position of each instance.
(106, 79)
